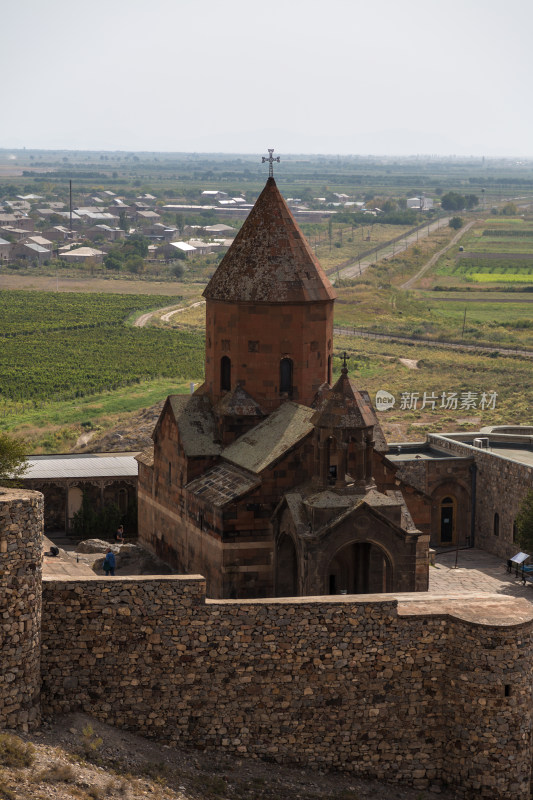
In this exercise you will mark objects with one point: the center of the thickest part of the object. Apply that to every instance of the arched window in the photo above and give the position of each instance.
(496, 527)
(447, 520)
(225, 374)
(329, 370)
(285, 376)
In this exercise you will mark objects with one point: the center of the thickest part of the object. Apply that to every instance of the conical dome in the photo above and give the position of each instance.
(345, 407)
(270, 261)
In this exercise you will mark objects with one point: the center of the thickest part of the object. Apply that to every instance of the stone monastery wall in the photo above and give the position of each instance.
(331, 682)
(324, 682)
(21, 524)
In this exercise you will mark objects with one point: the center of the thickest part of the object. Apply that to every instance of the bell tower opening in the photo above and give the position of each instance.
(225, 374)
(285, 376)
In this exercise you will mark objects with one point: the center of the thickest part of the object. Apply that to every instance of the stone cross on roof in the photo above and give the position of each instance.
(345, 358)
(270, 161)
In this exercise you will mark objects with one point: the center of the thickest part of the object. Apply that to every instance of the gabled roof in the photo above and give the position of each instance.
(270, 260)
(238, 403)
(195, 422)
(271, 439)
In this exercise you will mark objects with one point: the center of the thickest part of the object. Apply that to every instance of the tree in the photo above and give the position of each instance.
(177, 270)
(136, 245)
(524, 523)
(13, 462)
(471, 201)
(452, 201)
(113, 260)
(123, 222)
(456, 223)
(510, 210)
(134, 263)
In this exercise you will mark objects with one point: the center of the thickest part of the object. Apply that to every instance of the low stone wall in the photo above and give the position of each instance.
(338, 683)
(21, 523)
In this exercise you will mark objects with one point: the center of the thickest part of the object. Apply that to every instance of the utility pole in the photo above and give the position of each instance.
(70, 198)
(464, 323)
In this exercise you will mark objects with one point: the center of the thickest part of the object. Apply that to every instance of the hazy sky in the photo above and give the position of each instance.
(303, 76)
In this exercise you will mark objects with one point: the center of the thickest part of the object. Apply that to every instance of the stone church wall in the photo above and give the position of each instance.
(501, 485)
(328, 683)
(21, 524)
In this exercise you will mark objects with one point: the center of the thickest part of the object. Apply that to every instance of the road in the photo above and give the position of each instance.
(355, 268)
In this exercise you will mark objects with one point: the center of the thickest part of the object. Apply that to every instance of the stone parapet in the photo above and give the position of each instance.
(21, 526)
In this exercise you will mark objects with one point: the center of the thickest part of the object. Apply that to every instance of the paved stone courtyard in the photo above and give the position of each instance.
(477, 571)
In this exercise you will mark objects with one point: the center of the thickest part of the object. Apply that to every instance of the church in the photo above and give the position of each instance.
(272, 480)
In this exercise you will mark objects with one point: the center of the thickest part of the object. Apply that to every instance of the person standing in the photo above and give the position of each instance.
(109, 563)
(119, 536)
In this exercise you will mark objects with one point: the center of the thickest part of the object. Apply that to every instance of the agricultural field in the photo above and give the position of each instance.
(58, 349)
(497, 252)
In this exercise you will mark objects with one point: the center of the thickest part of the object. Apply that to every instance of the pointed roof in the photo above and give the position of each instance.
(344, 406)
(270, 260)
(238, 403)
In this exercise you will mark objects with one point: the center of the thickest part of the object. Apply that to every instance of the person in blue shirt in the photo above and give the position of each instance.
(109, 563)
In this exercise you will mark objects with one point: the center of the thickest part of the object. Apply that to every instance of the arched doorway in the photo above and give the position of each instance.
(448, 516)
(359, 568)
(286, 567)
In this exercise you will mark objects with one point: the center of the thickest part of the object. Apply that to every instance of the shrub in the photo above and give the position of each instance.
(14, 752)
(58, 773)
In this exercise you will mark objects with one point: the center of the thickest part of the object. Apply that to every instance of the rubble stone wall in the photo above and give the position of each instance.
(320, 682)
(21, 524)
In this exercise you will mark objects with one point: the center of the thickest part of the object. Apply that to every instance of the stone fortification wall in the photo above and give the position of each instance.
(21, 524)
(326, 682)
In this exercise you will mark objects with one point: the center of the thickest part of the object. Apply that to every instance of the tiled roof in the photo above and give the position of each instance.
(270, 260)
(221, 484)
(271, 439)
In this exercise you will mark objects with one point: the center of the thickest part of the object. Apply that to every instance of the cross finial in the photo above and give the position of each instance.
(270, 160)
(345, 358)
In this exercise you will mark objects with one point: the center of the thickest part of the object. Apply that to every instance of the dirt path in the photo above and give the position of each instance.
(166, 317)
(434, 258)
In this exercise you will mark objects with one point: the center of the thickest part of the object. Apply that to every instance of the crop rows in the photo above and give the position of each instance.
(80, 362)
(511, 232)
(29, 312)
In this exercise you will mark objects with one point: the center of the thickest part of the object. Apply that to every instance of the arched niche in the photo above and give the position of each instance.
(359, 568)
(286, 575)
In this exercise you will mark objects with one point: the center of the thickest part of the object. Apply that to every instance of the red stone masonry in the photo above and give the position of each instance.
(269, 300)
